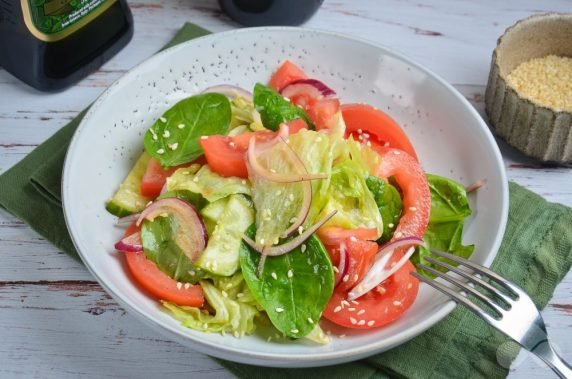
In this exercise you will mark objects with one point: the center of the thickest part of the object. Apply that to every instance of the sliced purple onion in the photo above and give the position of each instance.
(130, 219)
(191, 236)
(229, 91)
(275, 251)
(312, 87)
(379, 272)
(343, 265)
(476, 185)
(131, 243)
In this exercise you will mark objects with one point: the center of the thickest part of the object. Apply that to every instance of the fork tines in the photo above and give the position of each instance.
(497, 308)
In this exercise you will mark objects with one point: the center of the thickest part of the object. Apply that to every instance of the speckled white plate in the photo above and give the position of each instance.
(450, 137)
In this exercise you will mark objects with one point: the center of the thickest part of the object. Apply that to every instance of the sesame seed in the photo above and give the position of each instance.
(409, 286)
(274, 276)
(278, 193)
(351, 309)
(300, 229)
(337, 309)
(370, 323)
(353, 238)
(361, 322)
(290, 273)
(262, 241)
(163, 119)
(303, 247)
(368, 143)
(173, 146)
(179, 285)
(294, 331)
(336, 270)
(161, 151)
(231, 144)
(273, 171)
(390, 225)
(353, 320)
(310, 320)
(155, 138)
(187, 286)
(360, 131)
(396, 303)
(224, 294)
(346, 278)
(396, 152)
(412, 209)
(361, 312)
(293, 220)
(356, 277)
(291, 197)
(355, 302)
(192, 273)
(386, 144)
(196, 179)
(236, 334)
(318, 139)
(204, 137)
(205, 326)
(381, 289)
(341, 335)
(398, 235)
(279, 310)
(345, 303)
(181, 126)
(166, 134)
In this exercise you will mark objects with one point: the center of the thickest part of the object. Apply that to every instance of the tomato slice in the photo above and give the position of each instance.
(225, 155)
(287, 73)
(376, 127)
(416, 196)
(332, 235)
(378, 307)
(323, 111)
(154, 178)
(157, 283)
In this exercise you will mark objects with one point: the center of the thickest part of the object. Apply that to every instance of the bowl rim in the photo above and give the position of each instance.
(237, 354)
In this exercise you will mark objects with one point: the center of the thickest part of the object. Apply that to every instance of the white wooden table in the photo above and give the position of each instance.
(57, 322)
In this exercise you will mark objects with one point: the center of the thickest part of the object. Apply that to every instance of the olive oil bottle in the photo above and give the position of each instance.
(52, 44)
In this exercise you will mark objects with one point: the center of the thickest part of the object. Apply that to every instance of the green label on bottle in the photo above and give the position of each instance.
(52, 20)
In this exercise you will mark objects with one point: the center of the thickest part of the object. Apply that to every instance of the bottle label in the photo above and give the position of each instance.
(52, 20)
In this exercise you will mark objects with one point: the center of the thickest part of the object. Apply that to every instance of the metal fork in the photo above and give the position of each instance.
(510, 310)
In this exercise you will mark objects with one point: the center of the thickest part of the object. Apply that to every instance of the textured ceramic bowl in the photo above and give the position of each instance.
(450, 137)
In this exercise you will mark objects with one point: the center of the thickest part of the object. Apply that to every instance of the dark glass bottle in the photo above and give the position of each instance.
(52, 44)
(270, 12)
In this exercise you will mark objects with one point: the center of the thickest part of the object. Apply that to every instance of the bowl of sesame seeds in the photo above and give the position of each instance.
(529, 91)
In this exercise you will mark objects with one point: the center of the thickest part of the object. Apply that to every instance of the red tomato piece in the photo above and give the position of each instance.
(225, 155)
(376, 127)
(416, 196)
(332, 235)
(154, 178)
(378, 307)
(323, 111)
(157, 283)
(287, 73)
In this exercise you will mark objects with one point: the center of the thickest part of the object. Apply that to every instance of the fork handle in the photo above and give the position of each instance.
(546, 352)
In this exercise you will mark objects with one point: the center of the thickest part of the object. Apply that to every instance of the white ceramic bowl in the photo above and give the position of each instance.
(450, 137)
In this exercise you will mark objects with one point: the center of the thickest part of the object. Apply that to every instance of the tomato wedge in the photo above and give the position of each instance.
(287, 73)
(159, 284)
(360, 255)
(376, 127)
(225, 155)
(378, 307)
(416, 196)
(154, 178)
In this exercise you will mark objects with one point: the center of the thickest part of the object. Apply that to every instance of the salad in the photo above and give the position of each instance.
(280, 208)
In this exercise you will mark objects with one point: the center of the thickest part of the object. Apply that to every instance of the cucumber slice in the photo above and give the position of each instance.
(128, 199)
(221, 256)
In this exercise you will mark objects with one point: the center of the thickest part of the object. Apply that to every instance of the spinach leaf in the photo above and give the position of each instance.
(449, 208)
(275, 109)
(161, 248)
(174, 138)
(389, 203)
(294, 288)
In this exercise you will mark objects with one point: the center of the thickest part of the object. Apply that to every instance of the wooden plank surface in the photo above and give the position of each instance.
(57, 322)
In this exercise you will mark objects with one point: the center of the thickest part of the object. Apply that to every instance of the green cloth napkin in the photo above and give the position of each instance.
(536, 253)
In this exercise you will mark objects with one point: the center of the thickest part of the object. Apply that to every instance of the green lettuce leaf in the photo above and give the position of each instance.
(244, 115)
(234, 308)
(348, 193)
(275, 109)
(449, 209)
(174, 138)
(209, 184)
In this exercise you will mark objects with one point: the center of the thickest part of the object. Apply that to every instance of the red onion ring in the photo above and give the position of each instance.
(313, 87)
(192, 235)
(131, 243)
(476, 185)
(342, 265)
(378, 272)
(130, 219)
(229, 91)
